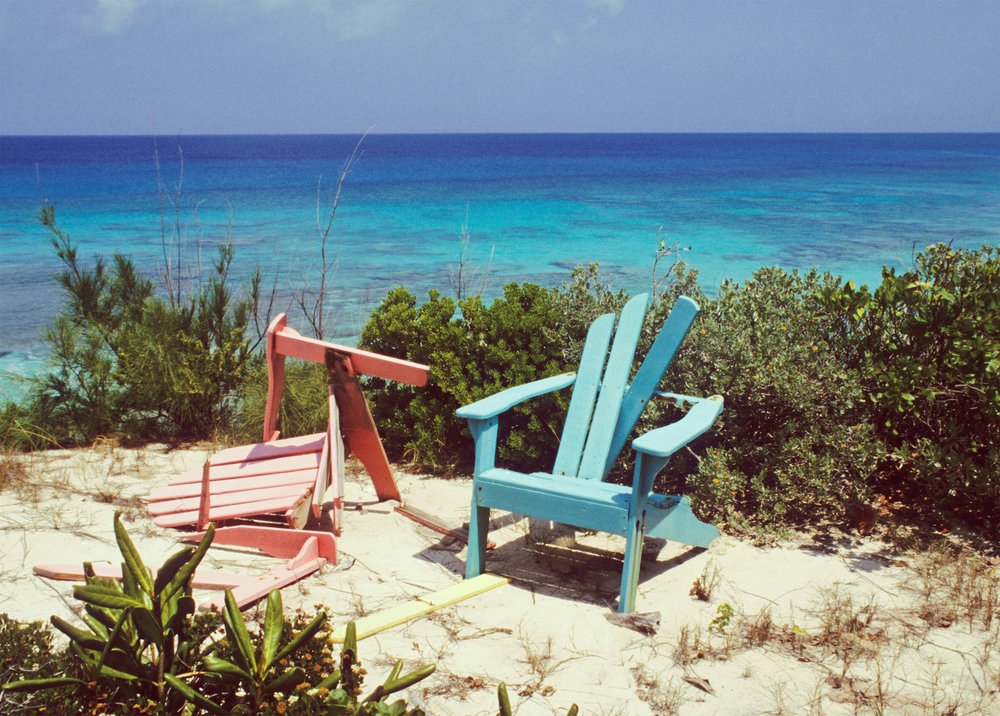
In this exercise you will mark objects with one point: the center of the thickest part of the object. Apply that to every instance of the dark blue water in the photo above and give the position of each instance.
(535, 205)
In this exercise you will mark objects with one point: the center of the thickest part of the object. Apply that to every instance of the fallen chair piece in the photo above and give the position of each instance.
(306, 552)
(402, 613)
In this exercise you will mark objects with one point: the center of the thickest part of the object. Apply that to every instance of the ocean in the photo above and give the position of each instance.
(534, 206)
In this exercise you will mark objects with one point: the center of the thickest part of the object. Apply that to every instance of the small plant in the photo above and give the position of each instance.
(724, 613)
(505, 709)
(705, 583)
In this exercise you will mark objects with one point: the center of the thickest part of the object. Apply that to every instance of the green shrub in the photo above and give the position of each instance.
(927, 342)
(303, 409)
(793, 445)
(129, 364)
(484, 350)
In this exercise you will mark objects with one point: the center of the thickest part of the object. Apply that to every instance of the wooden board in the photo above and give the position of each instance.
(228, 512)
(172, 493)
(235, 471)
(394, 616)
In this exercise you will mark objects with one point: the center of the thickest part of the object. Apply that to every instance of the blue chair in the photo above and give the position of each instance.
(602, 412)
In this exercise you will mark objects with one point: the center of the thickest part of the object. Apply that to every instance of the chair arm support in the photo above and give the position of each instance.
(503, 401)
(664, 442)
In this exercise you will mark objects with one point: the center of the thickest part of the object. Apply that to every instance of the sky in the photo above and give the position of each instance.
(347, 66)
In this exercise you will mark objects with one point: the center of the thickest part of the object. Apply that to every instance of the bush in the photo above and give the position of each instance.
(129, 364)
(927, 342)
(793, 445)
(485, 349)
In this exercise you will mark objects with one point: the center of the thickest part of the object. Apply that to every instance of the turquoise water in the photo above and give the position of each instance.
(535, 205)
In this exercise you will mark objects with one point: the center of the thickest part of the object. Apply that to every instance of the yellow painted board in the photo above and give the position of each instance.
(394, 616)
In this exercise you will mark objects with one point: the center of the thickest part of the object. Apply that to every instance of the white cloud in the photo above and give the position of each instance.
(353, 19)
(612, 7)
(112, 16)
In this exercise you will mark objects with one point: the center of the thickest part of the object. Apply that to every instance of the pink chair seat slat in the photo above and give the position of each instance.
(228, 512)
(187, 504)
(270, 450)
(230, 483)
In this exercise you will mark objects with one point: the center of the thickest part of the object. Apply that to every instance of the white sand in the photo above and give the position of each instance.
(547, 633)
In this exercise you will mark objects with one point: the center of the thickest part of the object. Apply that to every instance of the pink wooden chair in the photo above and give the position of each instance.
(292, 476)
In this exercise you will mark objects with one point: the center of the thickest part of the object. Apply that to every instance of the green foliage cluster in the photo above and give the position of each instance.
(144, 651)
(927, 345)
(793, 445)
(838, 399)
(129, 364)
(471, 355)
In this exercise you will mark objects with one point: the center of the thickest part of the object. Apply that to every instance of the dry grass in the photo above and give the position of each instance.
(870, 657)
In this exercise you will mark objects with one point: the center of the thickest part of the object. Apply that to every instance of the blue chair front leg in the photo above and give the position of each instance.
(646, 468)
(484, 432)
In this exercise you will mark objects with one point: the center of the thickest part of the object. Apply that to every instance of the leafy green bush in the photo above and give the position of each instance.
(486, 349)
(793, 445)
(927, 342)
(127, 363)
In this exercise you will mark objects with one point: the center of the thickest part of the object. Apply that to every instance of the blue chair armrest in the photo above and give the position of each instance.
(506, 399)
(664, 442)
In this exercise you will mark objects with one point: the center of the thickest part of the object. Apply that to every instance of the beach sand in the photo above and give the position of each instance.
(826, 624)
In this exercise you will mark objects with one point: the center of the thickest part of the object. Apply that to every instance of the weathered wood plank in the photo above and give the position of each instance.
(290, 343)
(228, 512)
(394, 616)
(172, 493)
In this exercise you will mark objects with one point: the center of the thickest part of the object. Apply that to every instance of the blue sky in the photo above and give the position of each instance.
(288, 66)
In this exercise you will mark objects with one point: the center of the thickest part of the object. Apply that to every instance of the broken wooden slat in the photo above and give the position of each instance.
(272, 541)
(307, 561)
(290, 343)
(268, 451)
(394, 616)
(435, 523)
(203, 578)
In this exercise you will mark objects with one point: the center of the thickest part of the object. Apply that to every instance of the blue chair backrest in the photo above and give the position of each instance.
(605, 407)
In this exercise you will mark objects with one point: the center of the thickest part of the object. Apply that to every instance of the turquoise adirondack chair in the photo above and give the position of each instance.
(602, 412)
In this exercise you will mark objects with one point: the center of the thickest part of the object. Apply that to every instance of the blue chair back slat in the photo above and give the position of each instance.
(581, 405)
(616, 375)
(650, 373)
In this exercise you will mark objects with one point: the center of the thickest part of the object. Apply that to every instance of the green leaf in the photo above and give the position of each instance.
(148, 626)
(133, 562)
(170, 568)
(184, 574)
(330, 682)
(184, 607)
(193, 696)
(218, 665)
(41, 684)
(274, 620)
(105, 597)
(287, 681)
(504, 700)
(79, 636)
(307, 633)
(236, 628)
(351, 637)
(408, 680)
(112, 638)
